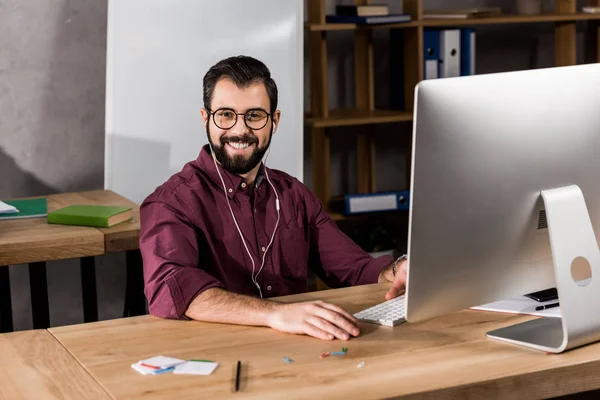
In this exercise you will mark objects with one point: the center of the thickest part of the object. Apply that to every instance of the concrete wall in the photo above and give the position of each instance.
(52, 69)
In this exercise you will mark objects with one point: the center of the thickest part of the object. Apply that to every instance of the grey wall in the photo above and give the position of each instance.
(52, 67)
(52, 56)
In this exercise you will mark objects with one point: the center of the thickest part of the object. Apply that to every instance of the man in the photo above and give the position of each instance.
(227, 231)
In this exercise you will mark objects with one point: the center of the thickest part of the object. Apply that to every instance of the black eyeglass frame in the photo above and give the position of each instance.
(212, 113)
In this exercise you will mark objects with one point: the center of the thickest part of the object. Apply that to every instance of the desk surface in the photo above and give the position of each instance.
(33, 365)
(121, 237)
(33, 239)
(447, 356)
(30, 240)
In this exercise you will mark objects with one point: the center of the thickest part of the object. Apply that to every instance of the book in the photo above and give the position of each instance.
(28, 208)
(90, 215)
(362, 10)
(7, 208)
(591, 10)
(462, 13)
(383, 19)
(350, 204)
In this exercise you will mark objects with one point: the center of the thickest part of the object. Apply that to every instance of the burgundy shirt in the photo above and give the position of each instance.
(189, 241)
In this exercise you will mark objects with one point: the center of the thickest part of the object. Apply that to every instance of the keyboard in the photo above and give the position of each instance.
(388, 313)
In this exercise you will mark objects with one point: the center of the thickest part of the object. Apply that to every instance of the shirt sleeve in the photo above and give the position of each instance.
(336, 258)
(172, 277)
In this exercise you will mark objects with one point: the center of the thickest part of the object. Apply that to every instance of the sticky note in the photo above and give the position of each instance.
(144, 370)
(162, 362)
(196, 368)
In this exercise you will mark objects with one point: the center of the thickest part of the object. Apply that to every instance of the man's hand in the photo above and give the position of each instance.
(398, 283)
(316, 318)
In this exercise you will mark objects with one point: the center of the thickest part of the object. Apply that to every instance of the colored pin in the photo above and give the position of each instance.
(344, 349)
(337, 353)
(326, 354)
(287, 360)
(360, 364)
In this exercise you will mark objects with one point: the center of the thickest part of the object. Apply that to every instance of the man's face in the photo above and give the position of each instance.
(238, 148)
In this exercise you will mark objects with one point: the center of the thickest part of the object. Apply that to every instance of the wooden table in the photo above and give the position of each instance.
(446, 357)
(33, 365)
(33, 241)
(123, 237)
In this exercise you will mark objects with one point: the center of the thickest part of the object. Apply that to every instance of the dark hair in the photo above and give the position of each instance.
(243, 71)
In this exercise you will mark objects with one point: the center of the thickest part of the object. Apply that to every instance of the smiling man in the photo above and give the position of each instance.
(226, 233)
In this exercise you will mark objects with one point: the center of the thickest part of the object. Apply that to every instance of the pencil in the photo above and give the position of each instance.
(237, 376)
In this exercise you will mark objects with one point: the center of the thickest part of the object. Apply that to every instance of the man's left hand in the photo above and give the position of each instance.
(398, 282)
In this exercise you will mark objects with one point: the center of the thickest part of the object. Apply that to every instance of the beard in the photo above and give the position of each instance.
(238, 164)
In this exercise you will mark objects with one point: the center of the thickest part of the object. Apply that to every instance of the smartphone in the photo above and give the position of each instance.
(544, 295)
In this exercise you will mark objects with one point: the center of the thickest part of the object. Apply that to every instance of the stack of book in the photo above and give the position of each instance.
(366, 15)
(462, 13)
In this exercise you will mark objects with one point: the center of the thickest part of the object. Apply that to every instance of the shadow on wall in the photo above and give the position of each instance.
(18, 183)
(69, 131)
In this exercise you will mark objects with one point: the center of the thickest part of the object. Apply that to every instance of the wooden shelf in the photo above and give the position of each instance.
(349, 117)
(511, 19)
(328, 27)
(341, 217)
(313, 27)
(496, 20)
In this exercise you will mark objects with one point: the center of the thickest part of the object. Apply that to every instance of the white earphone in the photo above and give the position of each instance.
(254, 278)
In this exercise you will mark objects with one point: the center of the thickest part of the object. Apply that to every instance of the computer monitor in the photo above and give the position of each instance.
(485, 148)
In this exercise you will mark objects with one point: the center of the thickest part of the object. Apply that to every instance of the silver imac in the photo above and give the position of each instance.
(506, 199)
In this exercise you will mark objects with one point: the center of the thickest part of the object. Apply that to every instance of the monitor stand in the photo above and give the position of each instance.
(573, 243)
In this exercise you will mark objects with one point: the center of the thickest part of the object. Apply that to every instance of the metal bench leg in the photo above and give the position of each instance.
(38, 284)
(6, 322)
(135, 301)
(88, 289)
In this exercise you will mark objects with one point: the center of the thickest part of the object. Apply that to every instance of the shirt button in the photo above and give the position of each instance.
(243, 185)
(230, 190)
(264, 249)
(269, 288)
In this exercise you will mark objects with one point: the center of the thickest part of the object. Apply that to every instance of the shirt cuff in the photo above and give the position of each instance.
(186, 284)
(370, 273)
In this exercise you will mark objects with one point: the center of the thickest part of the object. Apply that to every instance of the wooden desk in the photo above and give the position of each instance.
(447, 357)
(123, 237)
(33, 241)
(33, 365)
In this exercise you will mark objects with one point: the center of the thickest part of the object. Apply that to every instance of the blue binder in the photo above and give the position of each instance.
(431, 48)
(376, 202)
(467, 51)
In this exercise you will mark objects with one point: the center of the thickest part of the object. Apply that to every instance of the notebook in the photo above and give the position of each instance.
(90, 215)
(28, 208)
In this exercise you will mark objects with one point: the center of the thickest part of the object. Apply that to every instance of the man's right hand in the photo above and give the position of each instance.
(316, 318)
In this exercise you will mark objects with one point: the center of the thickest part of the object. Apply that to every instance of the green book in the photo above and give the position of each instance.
(28, 208)
(88, 215)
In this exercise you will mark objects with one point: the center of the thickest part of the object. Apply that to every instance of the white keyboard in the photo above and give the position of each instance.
(388, 313)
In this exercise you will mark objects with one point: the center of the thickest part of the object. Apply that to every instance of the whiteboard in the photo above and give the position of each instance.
(157, 54)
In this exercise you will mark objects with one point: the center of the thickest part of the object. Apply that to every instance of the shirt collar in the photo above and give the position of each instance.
(233, 182)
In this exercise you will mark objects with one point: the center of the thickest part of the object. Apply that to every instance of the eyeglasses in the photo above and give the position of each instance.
(226, 118)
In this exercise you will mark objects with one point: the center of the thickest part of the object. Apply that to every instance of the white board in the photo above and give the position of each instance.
(157, 54)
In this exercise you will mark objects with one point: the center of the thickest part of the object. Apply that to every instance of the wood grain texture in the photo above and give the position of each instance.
(121, 237)
(34, 365)
(350, 117)
(446, 357)
(33, 239)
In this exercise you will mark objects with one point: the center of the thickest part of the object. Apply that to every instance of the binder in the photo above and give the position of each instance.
(351, 204)
(382, 19)
(431, 48)
(467, 51)
(449, 53)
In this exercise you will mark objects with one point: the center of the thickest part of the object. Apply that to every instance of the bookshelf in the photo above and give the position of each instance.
(565, 18)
